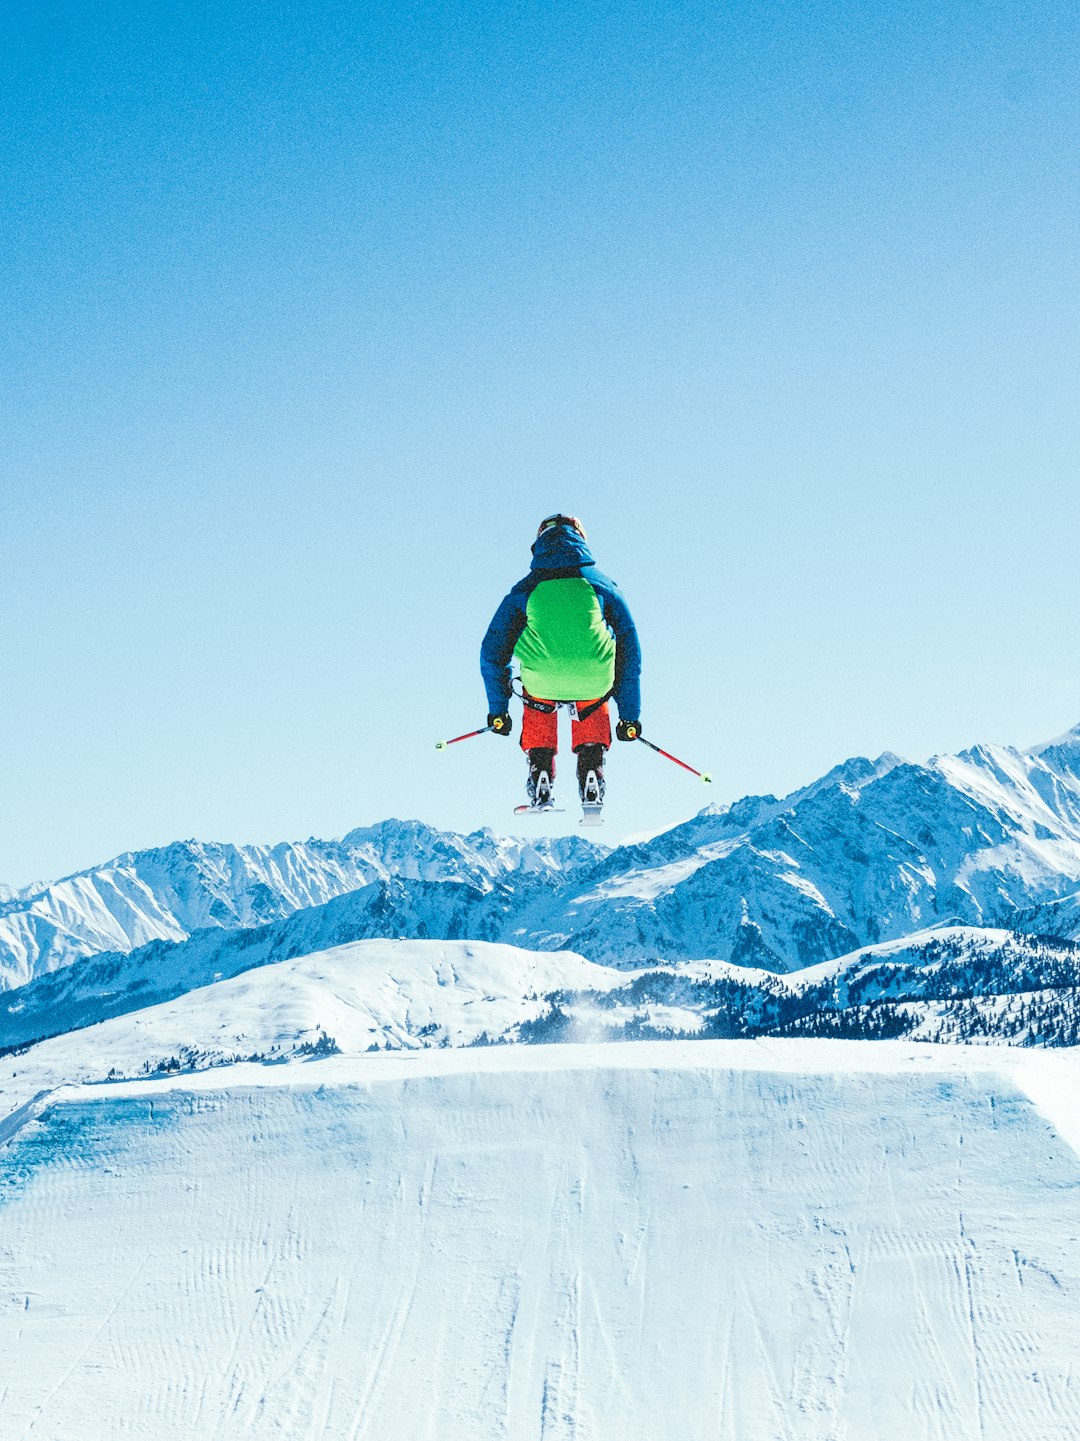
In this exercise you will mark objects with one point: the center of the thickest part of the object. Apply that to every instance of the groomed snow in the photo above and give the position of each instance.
(726, 1240)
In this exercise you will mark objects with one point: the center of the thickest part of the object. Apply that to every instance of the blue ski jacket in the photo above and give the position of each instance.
(569, 629)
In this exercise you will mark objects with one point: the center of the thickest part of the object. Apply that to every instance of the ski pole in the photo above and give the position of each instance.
(441, 745)
(706, 778)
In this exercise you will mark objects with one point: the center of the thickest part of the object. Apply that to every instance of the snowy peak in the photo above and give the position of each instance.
(851, 774)
(1039, 790)
(412, 850)
(1061, 755)
(171, 892)
(13, 896)
(871, 852)
(1070, 739)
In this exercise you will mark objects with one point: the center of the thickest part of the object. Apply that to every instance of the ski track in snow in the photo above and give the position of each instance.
(808, 1241)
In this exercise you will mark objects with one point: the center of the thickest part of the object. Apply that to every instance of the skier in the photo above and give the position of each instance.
(571, 632)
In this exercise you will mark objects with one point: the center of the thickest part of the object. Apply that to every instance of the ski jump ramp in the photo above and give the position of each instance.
(702, 1241)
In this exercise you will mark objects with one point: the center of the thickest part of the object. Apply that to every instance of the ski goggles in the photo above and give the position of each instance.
(554, 520)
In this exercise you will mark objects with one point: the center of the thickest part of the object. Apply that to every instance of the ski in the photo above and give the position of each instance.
(592, 815)
(533, 810)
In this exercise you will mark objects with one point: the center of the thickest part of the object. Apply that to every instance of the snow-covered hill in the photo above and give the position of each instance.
(110, 985)
(352, 999)
(1059, 918)
(958, 985)
(715, 1242)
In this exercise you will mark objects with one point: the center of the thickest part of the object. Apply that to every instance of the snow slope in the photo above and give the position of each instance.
(1054, 918)
(350, 999)
(304, 981)
(959, 984)
(715, 1242)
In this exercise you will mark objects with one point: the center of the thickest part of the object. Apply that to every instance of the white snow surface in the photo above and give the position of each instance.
(734, 1240)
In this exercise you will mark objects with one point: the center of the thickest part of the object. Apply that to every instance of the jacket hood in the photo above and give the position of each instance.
(560, 548)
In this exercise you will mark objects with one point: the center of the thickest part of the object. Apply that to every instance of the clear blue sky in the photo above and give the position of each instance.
(311, 311)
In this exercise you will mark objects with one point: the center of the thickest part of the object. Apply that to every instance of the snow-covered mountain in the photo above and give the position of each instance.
(873, 852)
(118, 982)
(1053, 918)
(1062, 753)
(171, 892)
(164, 1006)
(951, 985)
(958, 985)
(20, 893)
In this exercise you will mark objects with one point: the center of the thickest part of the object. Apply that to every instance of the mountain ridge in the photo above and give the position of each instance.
(168, 893)
(870, 852)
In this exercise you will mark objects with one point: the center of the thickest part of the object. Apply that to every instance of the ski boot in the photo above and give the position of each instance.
(538, 785)
(590, 774)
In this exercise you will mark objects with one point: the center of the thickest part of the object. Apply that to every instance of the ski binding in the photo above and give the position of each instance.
(592, 799)
(543, 800)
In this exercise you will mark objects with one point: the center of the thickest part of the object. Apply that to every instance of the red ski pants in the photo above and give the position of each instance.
(540, 729)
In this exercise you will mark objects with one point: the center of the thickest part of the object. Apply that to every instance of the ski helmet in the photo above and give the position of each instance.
(553, 520)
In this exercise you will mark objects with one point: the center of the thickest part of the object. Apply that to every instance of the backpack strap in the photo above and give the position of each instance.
(545, 707)
(589, 710)
(549, 707)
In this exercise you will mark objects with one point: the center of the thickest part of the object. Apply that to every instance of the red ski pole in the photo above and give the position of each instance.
(441, 745)
(704, 775)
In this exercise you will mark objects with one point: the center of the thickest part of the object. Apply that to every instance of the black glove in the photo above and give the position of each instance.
(500, 725)
(628, 730)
